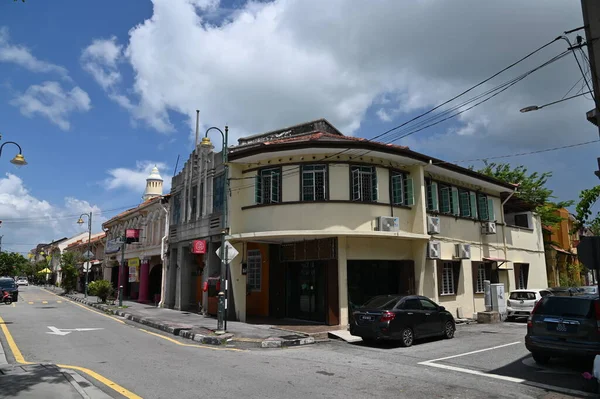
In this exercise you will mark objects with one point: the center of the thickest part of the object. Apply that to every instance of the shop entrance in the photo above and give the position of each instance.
(306, 283)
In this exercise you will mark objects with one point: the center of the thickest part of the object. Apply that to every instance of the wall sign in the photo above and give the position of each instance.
(199, 247)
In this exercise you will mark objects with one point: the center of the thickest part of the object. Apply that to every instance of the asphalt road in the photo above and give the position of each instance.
(152, 365)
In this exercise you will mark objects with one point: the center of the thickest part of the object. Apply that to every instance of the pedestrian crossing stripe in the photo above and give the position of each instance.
(44, 302)
(33, 303)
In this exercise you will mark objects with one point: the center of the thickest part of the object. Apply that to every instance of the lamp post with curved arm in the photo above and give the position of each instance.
(19, 159)
(222, 311)
(89, 261)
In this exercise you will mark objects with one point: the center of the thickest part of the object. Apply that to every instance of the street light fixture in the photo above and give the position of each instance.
(538, 107)
(19, 159)
(221, 314)
(89, 263)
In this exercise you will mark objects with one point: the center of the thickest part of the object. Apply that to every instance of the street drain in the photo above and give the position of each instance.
(293, 336)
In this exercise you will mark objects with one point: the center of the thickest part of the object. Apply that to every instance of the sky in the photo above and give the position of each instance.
(97, 93)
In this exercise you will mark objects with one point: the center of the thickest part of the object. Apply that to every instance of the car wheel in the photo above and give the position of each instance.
(540, 358)
(449, 330)
(407, 337)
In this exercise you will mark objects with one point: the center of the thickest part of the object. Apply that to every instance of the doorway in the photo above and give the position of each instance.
(306, 282)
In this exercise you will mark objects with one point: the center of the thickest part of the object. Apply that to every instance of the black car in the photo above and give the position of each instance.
(403, 318)
(8, 284)
(564, 326)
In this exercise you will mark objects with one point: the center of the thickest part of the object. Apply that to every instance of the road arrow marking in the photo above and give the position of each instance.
(65, 331)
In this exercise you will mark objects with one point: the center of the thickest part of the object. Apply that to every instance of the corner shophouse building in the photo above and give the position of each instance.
(80, 247)
(147, 224)
(323, 222)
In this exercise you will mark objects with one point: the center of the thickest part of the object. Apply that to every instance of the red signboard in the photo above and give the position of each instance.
(132, 233)
(199, 247)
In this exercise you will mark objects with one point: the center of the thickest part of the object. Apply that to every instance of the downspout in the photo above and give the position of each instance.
(504, 225)
(162, 257)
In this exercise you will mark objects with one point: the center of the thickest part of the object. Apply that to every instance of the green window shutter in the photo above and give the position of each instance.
(434, 197)
(274, 187)
(491, 213)
(445, 200)
(258, 189)
(397, 189)
(473, 203)
(482, 207)
(455, 202)
(356, 186)
(465, 207)
(410, 192)
(374, 188)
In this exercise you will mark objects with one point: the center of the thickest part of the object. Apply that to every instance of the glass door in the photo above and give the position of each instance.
(306, 291)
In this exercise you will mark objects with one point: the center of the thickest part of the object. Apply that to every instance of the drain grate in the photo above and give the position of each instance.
(295, 336)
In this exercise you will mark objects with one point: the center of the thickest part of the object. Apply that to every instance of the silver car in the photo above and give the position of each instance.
(520, 303)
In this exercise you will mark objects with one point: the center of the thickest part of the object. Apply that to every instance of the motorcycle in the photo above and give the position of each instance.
(6, 298)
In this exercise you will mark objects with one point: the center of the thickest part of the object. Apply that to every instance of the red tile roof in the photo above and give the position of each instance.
(322, 136)
(85, 241)
(132, 210)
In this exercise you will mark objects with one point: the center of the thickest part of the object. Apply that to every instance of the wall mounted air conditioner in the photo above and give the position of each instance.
(388, 223)
(434, 250)
(488, 228)
(433, 225)
(462, 251)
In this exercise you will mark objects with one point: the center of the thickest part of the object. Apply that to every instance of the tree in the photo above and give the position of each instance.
(12, 264)
(532, 189)
(583, 211)
(70, 273)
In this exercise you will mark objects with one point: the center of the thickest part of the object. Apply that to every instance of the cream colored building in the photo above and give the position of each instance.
(323, 222)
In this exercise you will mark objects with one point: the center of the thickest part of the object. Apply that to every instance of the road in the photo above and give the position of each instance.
(125, 360)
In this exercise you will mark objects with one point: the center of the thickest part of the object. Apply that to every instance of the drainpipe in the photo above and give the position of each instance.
(504, 225)
(162, 258)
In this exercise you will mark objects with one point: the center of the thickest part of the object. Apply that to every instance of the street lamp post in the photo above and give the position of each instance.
(89, 254)
(222, 311)
(19, 159)
(538, 107)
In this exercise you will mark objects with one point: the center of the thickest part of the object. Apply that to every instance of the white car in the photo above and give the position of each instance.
(520, 303)
(22, 281)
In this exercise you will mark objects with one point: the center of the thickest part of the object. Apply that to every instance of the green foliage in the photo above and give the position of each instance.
(12, 264)
(583, 210)
(532, 189)
(70, 273)
(100, 288)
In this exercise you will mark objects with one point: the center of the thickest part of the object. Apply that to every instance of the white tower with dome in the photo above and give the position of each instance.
(154, 185)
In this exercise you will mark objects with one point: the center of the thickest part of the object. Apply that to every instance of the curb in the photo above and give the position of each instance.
(186, 331)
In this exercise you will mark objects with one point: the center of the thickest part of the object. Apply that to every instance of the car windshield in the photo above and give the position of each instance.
(525, 296)
(566, 307)
(382, 302)
(7, 283)
(590, 290)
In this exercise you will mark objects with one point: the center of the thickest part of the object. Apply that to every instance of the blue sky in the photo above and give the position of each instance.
(98, 92)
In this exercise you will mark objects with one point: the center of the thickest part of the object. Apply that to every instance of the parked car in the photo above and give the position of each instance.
(561, 326)
(590, 290)
(22, 281)
(520, 303)
(8, 284)
(403, 318)
(566, 291)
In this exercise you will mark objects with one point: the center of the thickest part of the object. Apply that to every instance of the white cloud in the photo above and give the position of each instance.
(22, 56)
(100, 60)
(28, 220)
(52, 102)
(135, 179)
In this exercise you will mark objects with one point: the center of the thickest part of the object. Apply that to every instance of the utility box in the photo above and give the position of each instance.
(498, 299)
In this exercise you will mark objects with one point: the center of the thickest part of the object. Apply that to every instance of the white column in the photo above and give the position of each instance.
(343, 281)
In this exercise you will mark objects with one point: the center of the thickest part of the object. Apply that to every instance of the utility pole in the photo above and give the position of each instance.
(121, 269)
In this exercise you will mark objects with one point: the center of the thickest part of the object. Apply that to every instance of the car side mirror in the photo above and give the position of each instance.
(441, 308)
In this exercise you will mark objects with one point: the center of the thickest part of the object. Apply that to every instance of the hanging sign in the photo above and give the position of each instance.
(199, 247)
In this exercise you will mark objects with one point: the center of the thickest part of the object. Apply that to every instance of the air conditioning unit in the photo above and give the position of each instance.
(434, 250)
(388, 223)
(463, 251)
(433, 225)
(488, 228)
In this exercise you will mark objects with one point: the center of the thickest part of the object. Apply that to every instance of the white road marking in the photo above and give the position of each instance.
(431, 363)
(65, 331)
(470, 353)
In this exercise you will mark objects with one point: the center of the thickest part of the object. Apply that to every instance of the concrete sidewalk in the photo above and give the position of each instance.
(199, 328)
(45, 381)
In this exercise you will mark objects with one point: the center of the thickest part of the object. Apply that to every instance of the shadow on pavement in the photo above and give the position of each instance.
(562, 373)
(35, 381)
(389, 344)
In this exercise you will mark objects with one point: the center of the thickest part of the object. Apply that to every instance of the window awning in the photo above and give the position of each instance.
(562, 251)
(499, 261)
